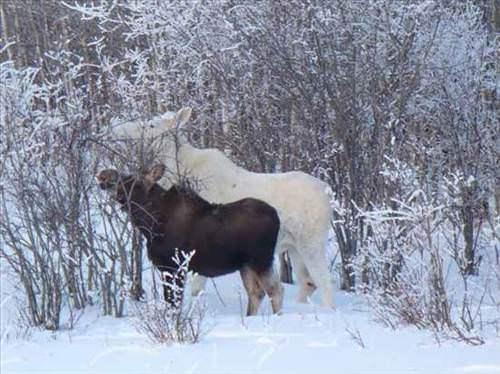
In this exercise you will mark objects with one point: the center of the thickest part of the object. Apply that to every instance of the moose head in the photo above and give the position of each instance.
(126, 189)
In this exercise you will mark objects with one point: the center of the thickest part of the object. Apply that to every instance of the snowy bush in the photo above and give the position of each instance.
(412, 275)
(172, 322)
(50, 223)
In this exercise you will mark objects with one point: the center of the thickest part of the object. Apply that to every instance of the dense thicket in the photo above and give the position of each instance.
(393, 103)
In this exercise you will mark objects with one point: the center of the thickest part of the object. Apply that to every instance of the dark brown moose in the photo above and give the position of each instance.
(225, 238)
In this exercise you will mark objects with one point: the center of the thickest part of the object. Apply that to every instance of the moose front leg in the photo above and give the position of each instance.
(173, 287)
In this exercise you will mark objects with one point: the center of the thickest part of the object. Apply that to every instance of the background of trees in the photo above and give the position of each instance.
(393, 103)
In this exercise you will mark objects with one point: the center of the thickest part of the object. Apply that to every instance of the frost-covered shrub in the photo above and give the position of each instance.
(412, 274)
(162, 324)
(174, 321)
(51, 235)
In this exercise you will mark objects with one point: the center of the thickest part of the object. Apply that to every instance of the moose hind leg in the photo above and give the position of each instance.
(306, 284)
(254, 290)
(317, 266)
(168, 294)
(270, 282)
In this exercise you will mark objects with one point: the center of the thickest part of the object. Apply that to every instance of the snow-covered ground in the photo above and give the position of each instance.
(304, 339)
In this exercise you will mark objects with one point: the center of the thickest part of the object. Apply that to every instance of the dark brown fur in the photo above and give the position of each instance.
(238, 236)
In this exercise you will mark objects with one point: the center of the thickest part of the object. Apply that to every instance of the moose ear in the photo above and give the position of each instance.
(155, 173)
(107, 178)
(172, 120)
(182, 116)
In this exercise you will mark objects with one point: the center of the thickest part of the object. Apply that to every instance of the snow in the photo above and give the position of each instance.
(304, 339)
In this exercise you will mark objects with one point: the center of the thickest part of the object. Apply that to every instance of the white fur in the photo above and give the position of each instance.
(302, 201)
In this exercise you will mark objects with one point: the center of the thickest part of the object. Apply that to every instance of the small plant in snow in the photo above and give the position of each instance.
(167, 323)
(355, 335)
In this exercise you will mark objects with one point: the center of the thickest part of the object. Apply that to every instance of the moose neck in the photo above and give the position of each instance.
(146, 215)
(152, 214)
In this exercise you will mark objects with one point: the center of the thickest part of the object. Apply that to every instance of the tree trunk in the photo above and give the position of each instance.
(347, 246)
(5, 30)
(347, 279)
(496, 15)
(469, 202)
(469, 267)
(136, 290)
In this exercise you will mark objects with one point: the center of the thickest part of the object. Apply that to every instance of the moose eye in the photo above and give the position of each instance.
(120, 197)
(104, 185)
